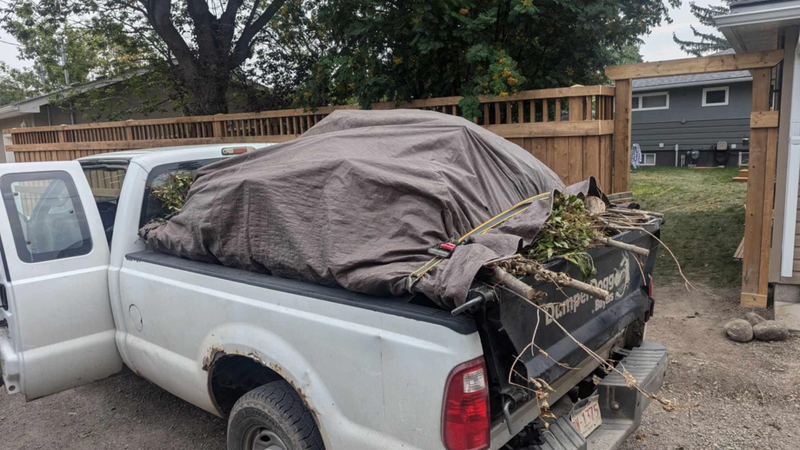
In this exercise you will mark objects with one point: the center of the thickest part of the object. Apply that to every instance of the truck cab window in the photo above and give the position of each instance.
(46, 216)
(105, 180)
(152, 207)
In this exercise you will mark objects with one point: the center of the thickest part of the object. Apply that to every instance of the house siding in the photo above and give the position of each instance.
(694, 127)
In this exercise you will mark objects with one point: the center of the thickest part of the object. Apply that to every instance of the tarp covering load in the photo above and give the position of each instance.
(360, 199)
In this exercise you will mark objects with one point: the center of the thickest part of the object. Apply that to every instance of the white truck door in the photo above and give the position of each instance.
(58, 331)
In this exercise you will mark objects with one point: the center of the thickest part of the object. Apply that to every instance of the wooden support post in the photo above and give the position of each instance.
(217, 127)
(558, 110)
(545, 111)
(760, 191)
(622, 136)
(575, 152)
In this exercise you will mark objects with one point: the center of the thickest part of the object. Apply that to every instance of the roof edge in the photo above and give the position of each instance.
(695, 83)
(749, 16)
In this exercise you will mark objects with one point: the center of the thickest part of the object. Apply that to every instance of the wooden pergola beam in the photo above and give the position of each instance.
(689, 66)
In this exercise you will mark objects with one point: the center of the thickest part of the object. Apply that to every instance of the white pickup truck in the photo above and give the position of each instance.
(294, 365)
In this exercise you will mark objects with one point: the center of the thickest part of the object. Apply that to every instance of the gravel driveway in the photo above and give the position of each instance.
(749, 396)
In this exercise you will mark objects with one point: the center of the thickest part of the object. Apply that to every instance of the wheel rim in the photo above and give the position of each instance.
(260, 438)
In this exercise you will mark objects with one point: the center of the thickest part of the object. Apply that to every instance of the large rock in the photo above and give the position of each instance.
(771, 330)
(754, 318)
(739, 330)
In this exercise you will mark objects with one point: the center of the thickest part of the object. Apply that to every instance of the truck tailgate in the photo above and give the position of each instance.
(509, 324)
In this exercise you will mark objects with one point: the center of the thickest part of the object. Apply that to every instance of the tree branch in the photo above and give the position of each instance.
(242, 49)
(252, 13)
(204, 26)
(159, 15)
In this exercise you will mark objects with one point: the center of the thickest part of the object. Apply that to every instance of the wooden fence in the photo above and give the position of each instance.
(764, 130)
(569, 129)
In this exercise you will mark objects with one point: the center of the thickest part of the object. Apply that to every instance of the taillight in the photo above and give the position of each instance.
(465, 414)
(650, 287)
(227, 151)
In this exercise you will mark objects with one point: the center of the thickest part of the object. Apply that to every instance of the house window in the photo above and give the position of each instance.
(744, 159)
(648, 159)
(715, 96)
(651, 101)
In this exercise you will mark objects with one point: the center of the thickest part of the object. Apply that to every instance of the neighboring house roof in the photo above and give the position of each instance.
(649, 84)
(33, 105)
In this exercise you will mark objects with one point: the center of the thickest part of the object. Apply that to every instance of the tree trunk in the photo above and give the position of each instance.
(208, 95)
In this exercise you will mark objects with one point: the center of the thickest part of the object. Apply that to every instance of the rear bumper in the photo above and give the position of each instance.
(621, 408)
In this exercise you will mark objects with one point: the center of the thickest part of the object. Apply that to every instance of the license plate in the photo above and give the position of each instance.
(587, 418)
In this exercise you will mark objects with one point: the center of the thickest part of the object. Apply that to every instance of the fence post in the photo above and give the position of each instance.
(128, 130)
(217, 126)
(622, 136)
(760, 191)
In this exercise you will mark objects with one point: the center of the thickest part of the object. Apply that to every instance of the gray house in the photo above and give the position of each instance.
(693, 114)
(48, 109)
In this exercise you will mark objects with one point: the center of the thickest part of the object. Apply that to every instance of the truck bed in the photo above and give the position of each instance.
(369, 369)
(396, 306)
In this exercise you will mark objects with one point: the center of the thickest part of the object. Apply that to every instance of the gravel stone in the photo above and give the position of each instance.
(739, 330)
(771, 330)
(754, 318)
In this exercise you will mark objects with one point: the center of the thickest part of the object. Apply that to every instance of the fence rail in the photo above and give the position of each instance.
(569, 129)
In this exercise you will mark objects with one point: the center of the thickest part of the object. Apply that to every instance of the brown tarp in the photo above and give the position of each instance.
(359, 199)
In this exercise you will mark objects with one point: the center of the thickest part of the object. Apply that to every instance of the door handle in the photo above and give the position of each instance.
(3, 297)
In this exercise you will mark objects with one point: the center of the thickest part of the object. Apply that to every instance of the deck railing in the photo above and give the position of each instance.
(569, 129)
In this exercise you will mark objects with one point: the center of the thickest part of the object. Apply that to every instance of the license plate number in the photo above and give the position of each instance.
(587, 419)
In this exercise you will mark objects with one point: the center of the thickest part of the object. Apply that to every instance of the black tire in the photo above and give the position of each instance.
(276, 414)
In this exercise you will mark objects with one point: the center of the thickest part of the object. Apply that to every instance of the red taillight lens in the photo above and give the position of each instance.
(650, 287)
(465, 415)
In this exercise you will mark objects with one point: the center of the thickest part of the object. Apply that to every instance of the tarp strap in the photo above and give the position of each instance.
(483, 228)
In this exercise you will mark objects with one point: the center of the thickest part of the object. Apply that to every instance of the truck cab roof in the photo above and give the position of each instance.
(152, 157)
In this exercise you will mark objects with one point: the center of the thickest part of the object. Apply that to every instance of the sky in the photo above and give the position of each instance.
(658, 45)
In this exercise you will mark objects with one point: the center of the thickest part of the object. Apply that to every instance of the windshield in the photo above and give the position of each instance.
(105, 179)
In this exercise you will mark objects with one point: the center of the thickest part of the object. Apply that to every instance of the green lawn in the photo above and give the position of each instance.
(704, 215)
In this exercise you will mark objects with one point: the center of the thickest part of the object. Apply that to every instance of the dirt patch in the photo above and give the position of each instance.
(749, 394)
(122, 412)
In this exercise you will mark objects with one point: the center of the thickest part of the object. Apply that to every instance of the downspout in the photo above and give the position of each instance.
(677, 150)
(792, 174)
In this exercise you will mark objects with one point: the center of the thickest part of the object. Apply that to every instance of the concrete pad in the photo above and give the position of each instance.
(788, 293)
(788, 313)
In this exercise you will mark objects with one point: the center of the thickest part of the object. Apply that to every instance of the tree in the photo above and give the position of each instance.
(16, 84)
(708, 42)
(195, 44)
(629, 54)
(395, 51)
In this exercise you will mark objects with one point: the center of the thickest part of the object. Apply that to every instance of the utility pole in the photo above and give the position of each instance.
(63, 48)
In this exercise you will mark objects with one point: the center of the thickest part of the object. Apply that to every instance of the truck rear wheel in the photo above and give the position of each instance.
(272, 417)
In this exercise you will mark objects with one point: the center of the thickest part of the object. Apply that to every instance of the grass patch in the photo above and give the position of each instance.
(704, 217)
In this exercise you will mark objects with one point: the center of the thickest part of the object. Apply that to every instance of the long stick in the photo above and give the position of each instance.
(513, 284)
(567, 281)
(635, 212)
(629, 247)
(561, 279)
